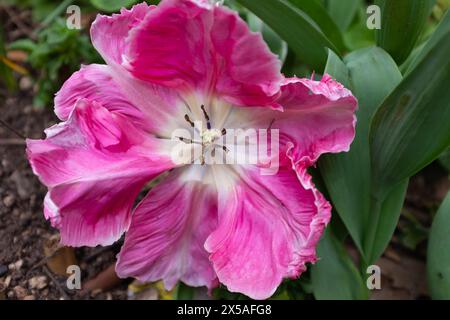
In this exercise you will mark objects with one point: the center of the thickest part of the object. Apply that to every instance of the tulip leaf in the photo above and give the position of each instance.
(295, 27)
(112, 5)
(317, 12)
(411, 128)
(371, 74)
(343, 12)
(402, 22)
(438, 255)
(335, 276)
(442, 29)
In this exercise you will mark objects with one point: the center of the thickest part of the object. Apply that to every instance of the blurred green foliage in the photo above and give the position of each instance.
(55, 55)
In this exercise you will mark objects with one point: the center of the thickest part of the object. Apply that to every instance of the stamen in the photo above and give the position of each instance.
(186, 117)
(208, 124)
(188, 141)
(224, 131)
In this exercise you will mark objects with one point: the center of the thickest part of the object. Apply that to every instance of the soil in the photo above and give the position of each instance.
(24, 233)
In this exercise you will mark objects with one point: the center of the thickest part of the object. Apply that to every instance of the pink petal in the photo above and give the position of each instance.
(93, 82)
(149, 106)
(167, 233)
(319, 117)
(268, 229)
(94, 165)
(190, 45)
(109, 34)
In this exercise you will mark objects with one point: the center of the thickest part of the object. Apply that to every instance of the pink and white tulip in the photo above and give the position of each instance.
(202, 224)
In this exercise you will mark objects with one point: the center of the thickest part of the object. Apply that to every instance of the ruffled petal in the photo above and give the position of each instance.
(319, 117)
(109, 33)
(268, 229)
(94, 165)
(191, 45)
(95, 83)
(167, 233)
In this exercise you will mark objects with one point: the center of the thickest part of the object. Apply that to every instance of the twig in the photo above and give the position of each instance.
(6, 125)
(56, 282)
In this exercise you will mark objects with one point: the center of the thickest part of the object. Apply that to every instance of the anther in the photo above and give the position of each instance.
(186, 117)
(208, 124)
(224, 131)
(185, 140)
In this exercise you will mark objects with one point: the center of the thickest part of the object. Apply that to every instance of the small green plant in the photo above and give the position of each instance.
(55, 55)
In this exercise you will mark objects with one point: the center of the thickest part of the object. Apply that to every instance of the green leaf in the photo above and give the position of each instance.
(22, 44)
(316, 11)
(402, 22)
(112, 5)
(295, 27)
(438, 255)
(335, 276)
(343, 12)
(358, 36)
(184, 292)
(371, 74)
(442, 29)
(411, 128)
(444, 160)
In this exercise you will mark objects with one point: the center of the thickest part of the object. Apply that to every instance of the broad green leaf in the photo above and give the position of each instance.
(295, 27)
(335, 276)
(343, 12)
(112, 5)
(371, 74)
(317, 12)
(442, 29)
(438, 255)
(444, 160)
(402, 22)
(411, 128)
(358, 36)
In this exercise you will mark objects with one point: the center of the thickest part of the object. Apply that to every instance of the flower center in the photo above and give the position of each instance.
(208, 137)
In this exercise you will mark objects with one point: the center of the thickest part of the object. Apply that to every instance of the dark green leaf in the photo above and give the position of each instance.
(372, 75)
(442, 29)
(444, 160)
(402, 22)
(438, 256)
(315, 10)
(343, 12)
(184, 292)
(295, 27)
(112, 5)
(335, 276)
(411, 128)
